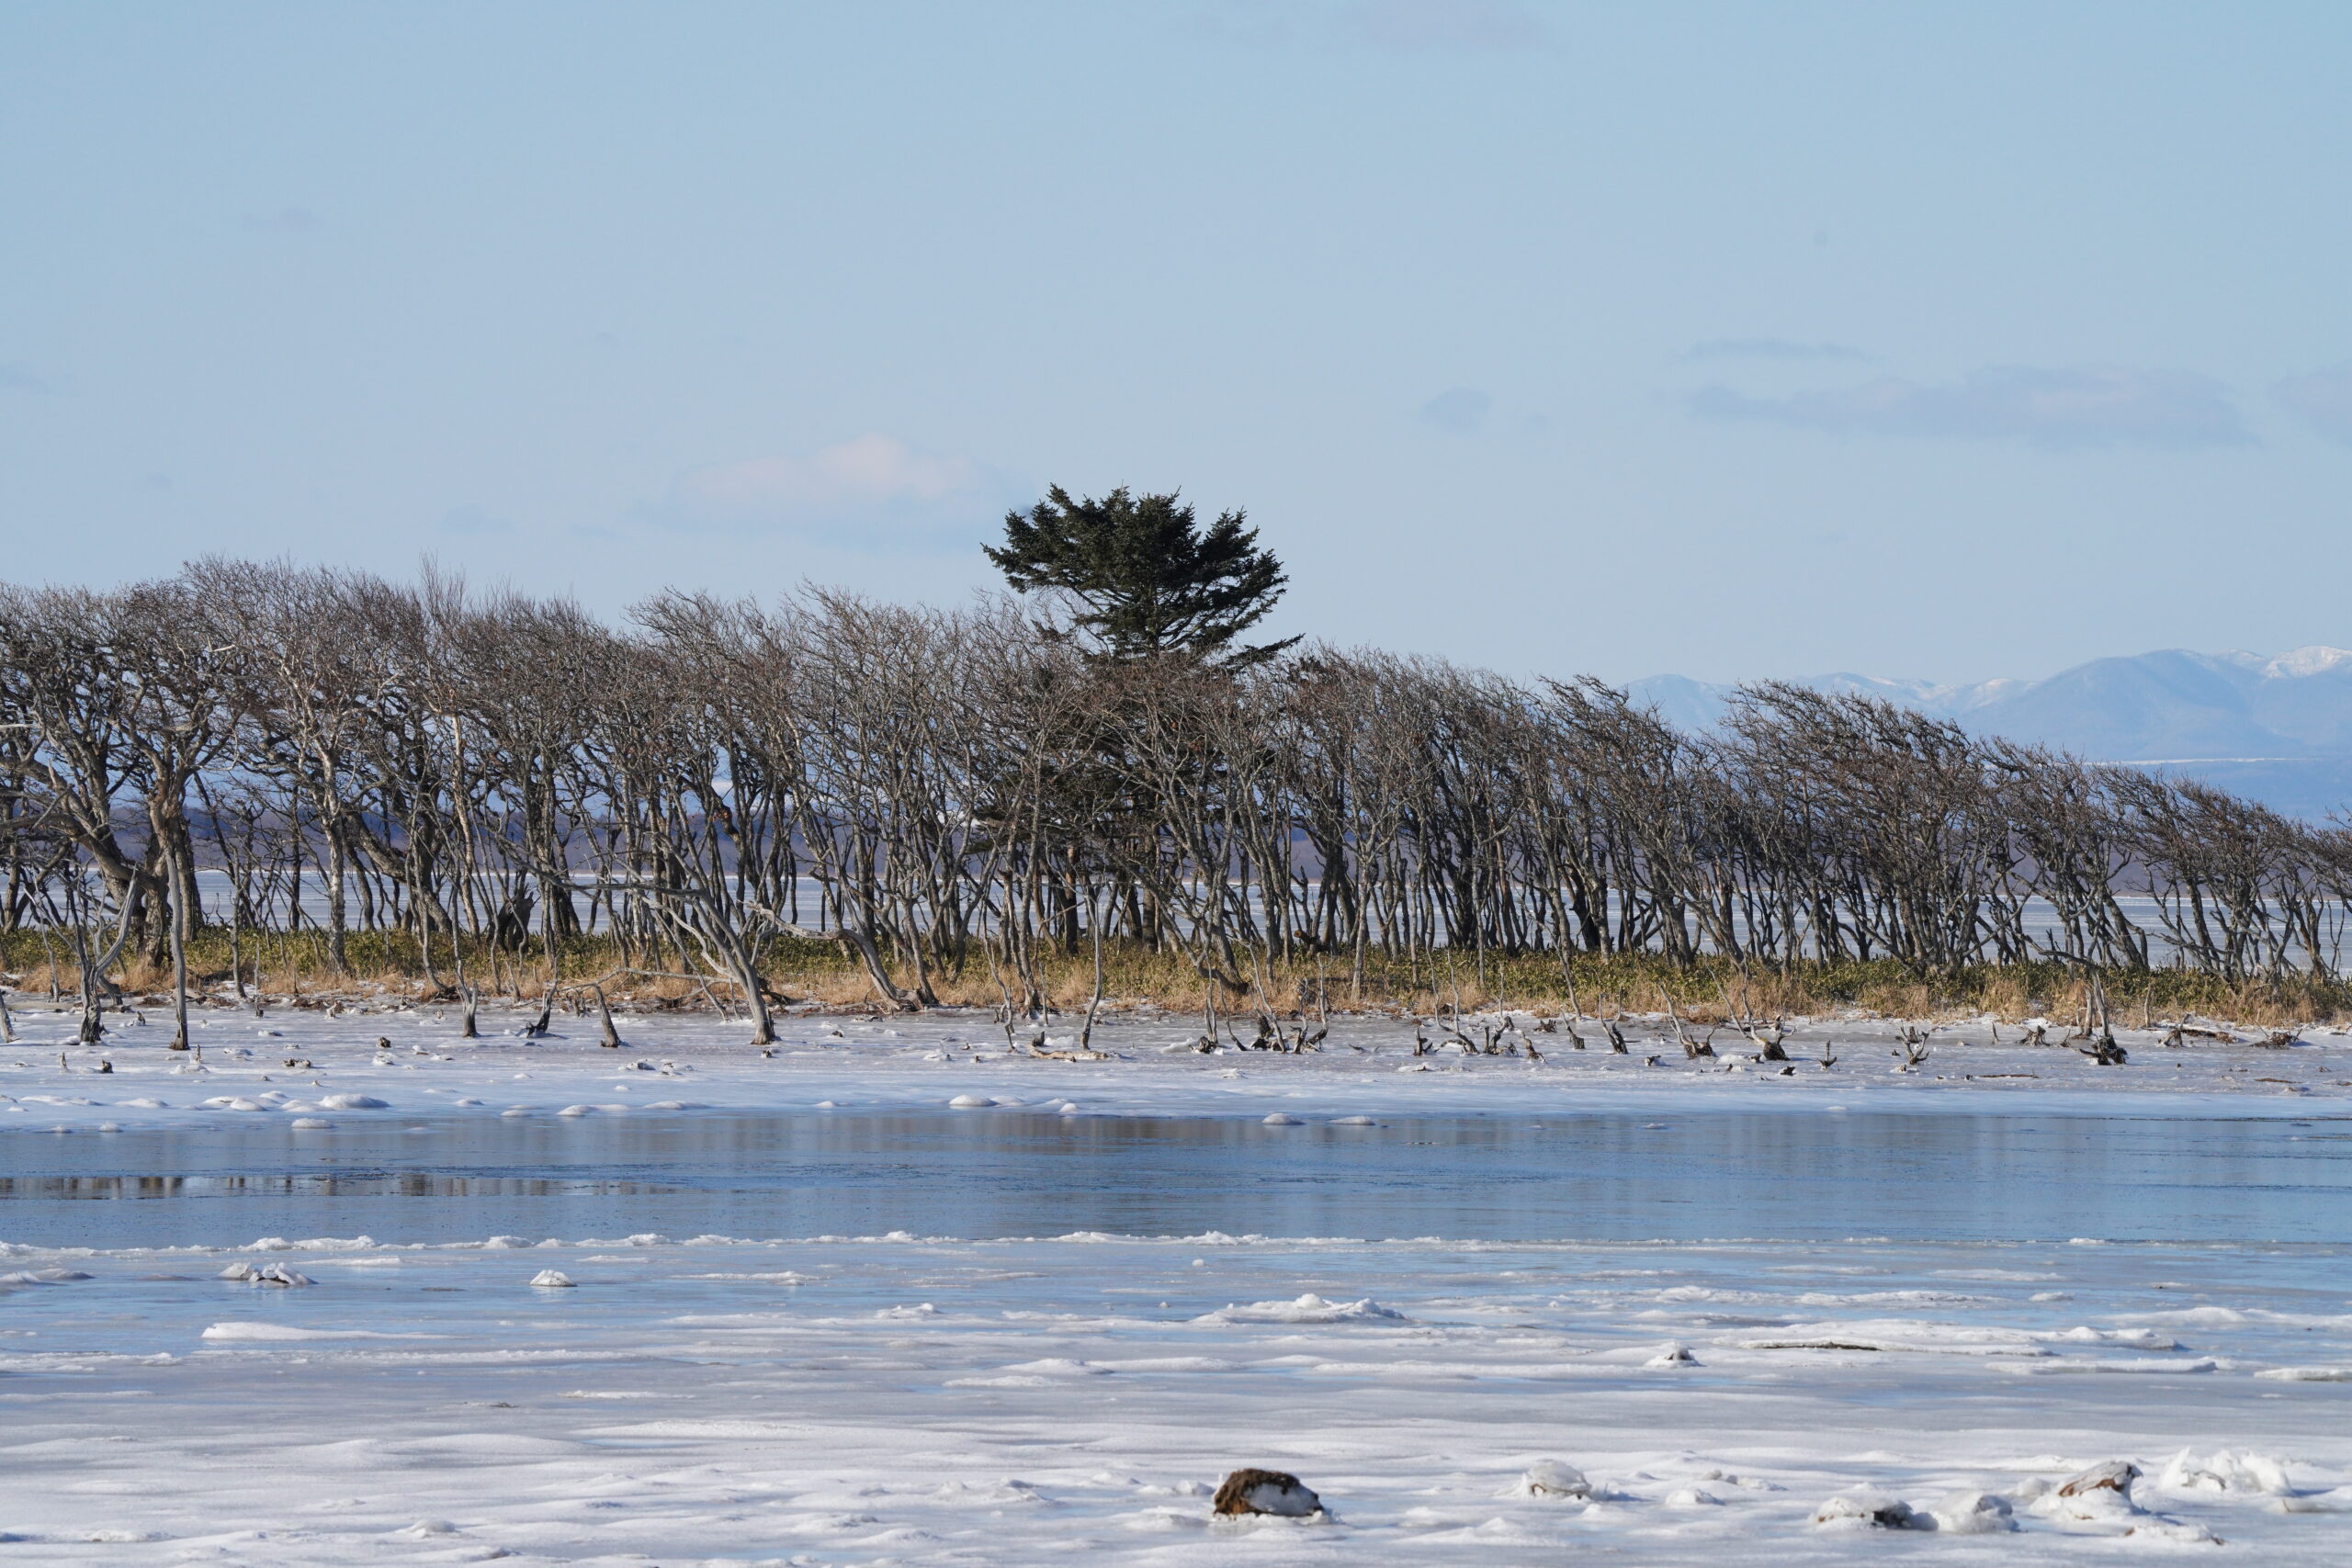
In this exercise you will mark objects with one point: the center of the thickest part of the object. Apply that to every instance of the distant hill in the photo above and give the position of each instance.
(2278, 729)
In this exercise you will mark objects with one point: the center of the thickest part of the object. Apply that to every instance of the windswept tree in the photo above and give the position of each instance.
(1142, 577)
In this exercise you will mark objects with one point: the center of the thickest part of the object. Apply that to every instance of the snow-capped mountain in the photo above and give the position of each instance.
(2279, 728)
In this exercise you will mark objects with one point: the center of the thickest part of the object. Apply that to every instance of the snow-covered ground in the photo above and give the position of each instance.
(304, 1064)
(925, 1398)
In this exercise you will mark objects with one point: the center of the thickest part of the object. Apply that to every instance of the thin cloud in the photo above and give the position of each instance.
(1769, 348)
(2084, 406)
(1458, 412)
(866, 470)
(870, 491)
(2325, 400)
(24, 379)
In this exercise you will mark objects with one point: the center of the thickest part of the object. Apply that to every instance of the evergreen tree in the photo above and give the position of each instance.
(1143, 577)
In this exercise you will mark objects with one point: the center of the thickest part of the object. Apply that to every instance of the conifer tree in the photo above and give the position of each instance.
(1142, 577)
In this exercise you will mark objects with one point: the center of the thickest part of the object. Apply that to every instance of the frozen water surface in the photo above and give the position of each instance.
(890, 1331)
(1618, 1176)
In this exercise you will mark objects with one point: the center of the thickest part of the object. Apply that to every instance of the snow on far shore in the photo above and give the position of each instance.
(316, 1071)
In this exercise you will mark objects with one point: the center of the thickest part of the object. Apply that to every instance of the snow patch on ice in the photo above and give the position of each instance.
(1309, 1308)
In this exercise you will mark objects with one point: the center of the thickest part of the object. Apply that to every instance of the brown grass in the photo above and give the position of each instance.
(295, 967)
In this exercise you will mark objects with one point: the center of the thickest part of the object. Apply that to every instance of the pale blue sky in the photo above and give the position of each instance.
(1947, 341)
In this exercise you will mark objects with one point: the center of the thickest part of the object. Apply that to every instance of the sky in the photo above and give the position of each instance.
(1735, 340)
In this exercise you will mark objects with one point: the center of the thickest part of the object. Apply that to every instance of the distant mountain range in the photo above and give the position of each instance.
(2278, 729)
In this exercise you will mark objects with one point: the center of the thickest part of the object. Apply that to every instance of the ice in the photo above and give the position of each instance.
(871, 1393)
(1550, 1478)
(277, 1333)
(266, 1274)
(1309, 1308)
(2225, 1472)
(1972, 1513)
(1864, 1507)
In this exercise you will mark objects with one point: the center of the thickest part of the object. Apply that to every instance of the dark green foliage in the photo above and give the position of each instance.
(1145, 577)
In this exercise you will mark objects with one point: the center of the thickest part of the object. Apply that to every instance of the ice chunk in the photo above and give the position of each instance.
(1283, 1119)
(1550, 1478)
(1972, 1513)
(2225, 1472)
(1865, 1508)
(350, 1102)
(277, 1274)
(1309, 1308)
(551, 1280)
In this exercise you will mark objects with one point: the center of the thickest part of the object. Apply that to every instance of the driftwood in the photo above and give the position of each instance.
(539, 1027)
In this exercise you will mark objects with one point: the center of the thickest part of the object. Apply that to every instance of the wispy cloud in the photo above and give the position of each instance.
(872, 490)
(1769, 348)
(2323, 398)
(24, 379)
(2082, 406)
(1459, 410)
(1405, 25)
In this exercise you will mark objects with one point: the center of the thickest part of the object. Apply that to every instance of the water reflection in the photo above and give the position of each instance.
(1599, 1176)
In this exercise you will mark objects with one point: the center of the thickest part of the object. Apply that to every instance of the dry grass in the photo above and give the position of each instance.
(296, 967)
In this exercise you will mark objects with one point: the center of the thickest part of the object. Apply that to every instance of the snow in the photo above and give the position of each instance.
(923, 1397)
(937, 1400)
(1363, 1075)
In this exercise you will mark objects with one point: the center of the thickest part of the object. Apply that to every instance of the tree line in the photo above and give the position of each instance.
(941, 790)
